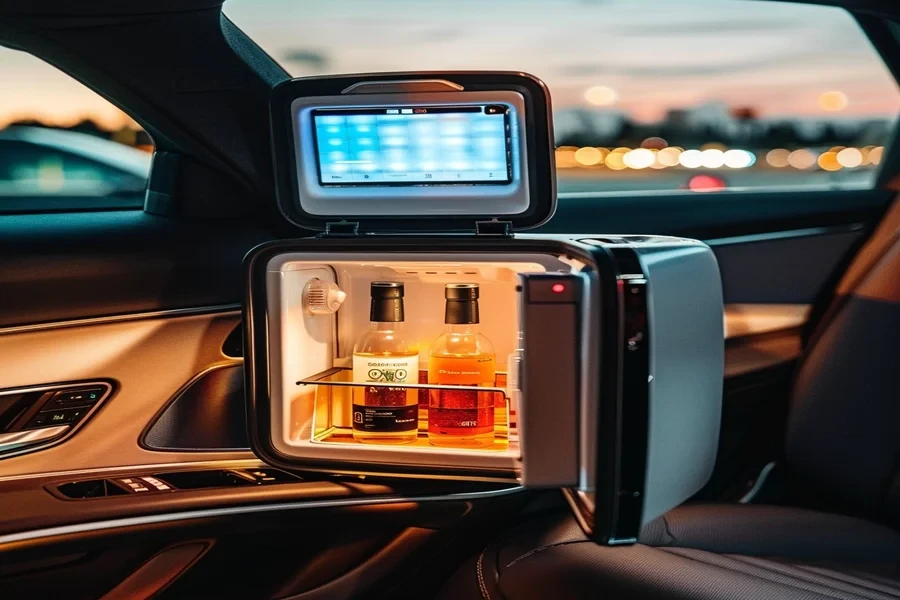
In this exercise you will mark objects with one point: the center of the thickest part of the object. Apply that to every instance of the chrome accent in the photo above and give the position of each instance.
(248, 463)
(238, 510)
(319, 379)
(583, 507)
(47, 441)
(30, 437)
(784, 235)
(758, 484)
(225, 309)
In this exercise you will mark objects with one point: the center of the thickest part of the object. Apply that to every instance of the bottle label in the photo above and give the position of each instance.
(385, 408)
(384, 419)
(461, 412)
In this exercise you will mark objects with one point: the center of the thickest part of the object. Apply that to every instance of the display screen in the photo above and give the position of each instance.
(413, 145)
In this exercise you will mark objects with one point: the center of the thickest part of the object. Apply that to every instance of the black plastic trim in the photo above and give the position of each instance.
(623, 416)
(538, 125)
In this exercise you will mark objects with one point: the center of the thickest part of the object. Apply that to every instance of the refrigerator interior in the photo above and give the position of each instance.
(310, 355)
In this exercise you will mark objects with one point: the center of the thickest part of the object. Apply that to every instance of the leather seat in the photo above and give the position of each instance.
(739, 552)
(841, 457)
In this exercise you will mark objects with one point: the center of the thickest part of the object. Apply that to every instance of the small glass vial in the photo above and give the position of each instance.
(385, 415)
(461, 356)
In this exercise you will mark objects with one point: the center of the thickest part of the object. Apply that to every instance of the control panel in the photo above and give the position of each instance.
(176, 481)
(39, 416)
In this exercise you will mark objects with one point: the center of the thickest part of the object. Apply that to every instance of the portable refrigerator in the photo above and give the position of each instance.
(609, 349)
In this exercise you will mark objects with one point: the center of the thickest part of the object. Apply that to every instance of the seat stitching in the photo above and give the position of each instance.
(541, 549)
(668, 529)
(876, 577)
(728, 568)
(748, 560)
(479, 569)
(835, 575)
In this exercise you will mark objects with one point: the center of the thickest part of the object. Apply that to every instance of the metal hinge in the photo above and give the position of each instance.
(341, 228)
(501, 228)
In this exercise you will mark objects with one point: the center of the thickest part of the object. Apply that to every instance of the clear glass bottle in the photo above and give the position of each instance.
(385, 415)
(461, 356)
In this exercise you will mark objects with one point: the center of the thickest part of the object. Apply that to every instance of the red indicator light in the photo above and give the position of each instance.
(706, 183)
(558, 288)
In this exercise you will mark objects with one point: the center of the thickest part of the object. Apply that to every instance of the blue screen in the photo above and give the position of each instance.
(413, 145)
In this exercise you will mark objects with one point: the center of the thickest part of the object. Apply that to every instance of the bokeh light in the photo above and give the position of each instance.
(828, 161)
(640, 158)
(833, 101)
(668, 157)
(601, 95)
(802, 159)
(565, 157)
(706, 183)
(850, 158)
(778, 158)
(739, 159)
(616, 160)
(876, 154)
(691, 159)
(588, 156)
(654, 143)
(712, 158)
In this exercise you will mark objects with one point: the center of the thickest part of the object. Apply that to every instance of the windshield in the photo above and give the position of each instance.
(648, 95)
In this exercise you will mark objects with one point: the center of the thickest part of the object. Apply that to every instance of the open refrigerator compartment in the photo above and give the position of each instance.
(334, 390)
(310, 356)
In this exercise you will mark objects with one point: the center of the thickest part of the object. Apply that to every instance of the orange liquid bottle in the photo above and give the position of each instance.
(465, 357)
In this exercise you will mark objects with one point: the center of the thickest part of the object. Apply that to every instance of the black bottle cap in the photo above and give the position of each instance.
(462, 303)
(387, 302)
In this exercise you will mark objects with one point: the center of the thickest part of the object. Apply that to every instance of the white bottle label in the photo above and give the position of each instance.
(385, 409)
(386, 369)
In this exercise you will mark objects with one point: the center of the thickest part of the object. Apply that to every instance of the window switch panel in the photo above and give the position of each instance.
(82, 397)
(65, 416)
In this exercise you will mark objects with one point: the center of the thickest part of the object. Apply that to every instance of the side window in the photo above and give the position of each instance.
(649, 95)
(62, 146)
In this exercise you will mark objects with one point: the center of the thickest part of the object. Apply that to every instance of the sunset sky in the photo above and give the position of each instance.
(653, 54)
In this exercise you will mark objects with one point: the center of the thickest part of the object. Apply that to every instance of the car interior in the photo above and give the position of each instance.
(246, 366)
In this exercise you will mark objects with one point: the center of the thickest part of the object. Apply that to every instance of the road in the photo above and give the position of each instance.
(603, 180)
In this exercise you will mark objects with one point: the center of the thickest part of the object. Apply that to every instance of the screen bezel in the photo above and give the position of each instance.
(508, 179)
(539, 177)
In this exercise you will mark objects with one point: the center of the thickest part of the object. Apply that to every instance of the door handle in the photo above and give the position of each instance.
(31, 437)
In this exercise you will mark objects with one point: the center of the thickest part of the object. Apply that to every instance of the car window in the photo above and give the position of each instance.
(648, 94)
(62, 146)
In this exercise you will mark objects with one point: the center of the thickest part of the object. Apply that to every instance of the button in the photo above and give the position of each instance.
(83, 396)
(156, 483)
(56, 417)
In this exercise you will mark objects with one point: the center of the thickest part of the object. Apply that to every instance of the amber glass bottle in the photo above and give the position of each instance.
(461, 356)
(385, 415)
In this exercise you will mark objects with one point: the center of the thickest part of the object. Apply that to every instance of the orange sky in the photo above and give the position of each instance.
(656, 54)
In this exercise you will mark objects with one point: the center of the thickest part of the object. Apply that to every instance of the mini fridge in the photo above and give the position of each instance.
(411, 327)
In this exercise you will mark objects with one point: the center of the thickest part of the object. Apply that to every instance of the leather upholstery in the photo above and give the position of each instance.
(842, 444)
(809, 556)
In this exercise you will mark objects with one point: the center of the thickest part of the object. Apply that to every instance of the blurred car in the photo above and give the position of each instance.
(58, 169)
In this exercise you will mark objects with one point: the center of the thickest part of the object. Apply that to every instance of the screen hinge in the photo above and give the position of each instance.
(501, 228)
(341, 229)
